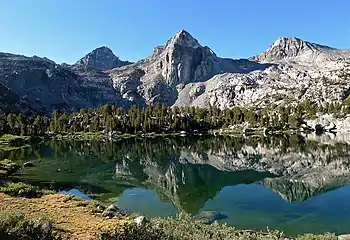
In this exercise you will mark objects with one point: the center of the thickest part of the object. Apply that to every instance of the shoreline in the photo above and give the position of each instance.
(27, 141)
(83, 219)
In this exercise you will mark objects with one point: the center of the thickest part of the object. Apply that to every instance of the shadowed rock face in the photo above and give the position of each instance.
(101, 58)
(9, 101)
(45, 86)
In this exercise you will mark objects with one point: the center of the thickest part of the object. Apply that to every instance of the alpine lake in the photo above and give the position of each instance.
(292, 183)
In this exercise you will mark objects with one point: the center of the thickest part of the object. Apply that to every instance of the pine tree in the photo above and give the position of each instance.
(21, 124)
(3, 123)
(63, 123)
(54, 122)
(109, 125)
(11, 122)
(37, 125)
(95, 124)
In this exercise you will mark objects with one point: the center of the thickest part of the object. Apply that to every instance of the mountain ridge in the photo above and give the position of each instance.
(101, 58)
(289, 47)
(182, 72)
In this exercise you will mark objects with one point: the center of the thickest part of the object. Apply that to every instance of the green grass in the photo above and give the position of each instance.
(9, 137)
(9, 142)
(96, 136)
(21, 189)
(7, 168)
(82, 136)
(7, 164)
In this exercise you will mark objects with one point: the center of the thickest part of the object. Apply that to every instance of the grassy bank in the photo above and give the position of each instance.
(9, 142)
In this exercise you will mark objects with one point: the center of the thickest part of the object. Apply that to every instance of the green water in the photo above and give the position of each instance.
(286, 182)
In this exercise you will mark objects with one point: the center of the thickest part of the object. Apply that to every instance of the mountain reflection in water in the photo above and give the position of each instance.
(165, 175)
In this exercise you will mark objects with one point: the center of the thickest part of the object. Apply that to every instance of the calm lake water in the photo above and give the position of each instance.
(287, 182)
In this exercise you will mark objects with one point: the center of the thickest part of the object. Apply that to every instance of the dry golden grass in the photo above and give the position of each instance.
(74, 218)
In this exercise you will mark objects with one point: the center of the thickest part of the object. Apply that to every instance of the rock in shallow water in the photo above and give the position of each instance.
(28, 164)
(208, 217)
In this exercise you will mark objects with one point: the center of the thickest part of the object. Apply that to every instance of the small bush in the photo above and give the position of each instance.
(14, 226)
(185, 227)
(21, 190)
(132, 231)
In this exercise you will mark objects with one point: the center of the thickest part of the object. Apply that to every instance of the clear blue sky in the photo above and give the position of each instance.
(65, 30)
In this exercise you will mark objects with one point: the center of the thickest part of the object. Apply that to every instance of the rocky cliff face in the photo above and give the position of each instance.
(183, 73)
(180, 63)
(9, 101)
(101, 58)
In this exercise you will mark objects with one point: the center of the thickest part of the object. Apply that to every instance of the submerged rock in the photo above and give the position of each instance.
(208, 217)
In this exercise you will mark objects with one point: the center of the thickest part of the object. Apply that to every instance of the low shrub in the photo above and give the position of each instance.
(327, 236)
(185, 227)
(135, 232)
(14, 226)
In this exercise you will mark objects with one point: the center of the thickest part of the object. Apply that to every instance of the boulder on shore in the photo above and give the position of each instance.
(112, 211)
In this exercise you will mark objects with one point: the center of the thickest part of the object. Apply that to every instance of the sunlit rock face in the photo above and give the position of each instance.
(182, 60)
(292, 47)
(184, 73)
